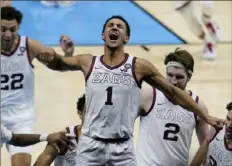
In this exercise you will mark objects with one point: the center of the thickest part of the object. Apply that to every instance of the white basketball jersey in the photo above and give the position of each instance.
(165, 133)
(17, 85)
(112, 99)
(69, 158)
(218, 153)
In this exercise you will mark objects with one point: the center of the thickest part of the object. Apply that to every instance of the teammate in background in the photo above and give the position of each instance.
(67, 45)
(113, 83)
(186, 9)
(17, 81)
(217, 147)
(30, 139)
(174, 125)
(66, 157)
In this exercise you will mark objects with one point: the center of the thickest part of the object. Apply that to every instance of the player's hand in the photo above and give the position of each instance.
(67, 45)
(46, 56)
(215, 122)
(60, 138)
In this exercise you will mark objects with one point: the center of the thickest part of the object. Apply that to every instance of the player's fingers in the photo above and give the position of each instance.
(56, 147)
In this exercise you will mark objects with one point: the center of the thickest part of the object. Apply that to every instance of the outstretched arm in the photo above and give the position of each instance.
(202, 128)
(31, 139)
(144, 69)
(53, 60)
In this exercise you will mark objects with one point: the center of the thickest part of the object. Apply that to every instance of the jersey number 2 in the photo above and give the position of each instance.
(212, 161)
(12, 82)
(170, 133)
(109, 91)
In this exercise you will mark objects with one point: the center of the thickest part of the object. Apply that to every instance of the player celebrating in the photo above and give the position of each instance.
(113, 83)
(174, 125)
(17, 81)
(216, 149)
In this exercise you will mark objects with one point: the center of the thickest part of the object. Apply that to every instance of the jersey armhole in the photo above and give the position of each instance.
(152, 104)
(28, 53)
(91, 68)
(139, 83)
(195, 115)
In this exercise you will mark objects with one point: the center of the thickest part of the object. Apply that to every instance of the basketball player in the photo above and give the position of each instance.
(186, 9)
(217, 148)
(17, 81)
(66, 157)
(113, 83)
(30, 139)
(169, 143)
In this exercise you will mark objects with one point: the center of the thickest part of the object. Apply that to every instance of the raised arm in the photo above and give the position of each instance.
(149, 73)
(201, 154)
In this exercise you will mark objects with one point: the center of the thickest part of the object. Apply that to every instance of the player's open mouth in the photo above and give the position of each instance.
(113, 36)
(7, 40)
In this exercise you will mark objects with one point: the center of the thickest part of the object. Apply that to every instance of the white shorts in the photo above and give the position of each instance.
(23, 128)
(92, 152)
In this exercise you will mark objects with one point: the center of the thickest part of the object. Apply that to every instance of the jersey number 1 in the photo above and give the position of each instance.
(109, 91)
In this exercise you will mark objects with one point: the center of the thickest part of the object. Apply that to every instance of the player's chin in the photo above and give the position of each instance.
(7, 45)
(112, 45)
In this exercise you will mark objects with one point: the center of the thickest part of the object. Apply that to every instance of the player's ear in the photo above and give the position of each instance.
(102, 36)
(127, 38)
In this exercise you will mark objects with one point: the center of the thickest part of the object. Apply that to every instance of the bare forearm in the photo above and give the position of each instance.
(200, 157)
(25, 139)
(45, 159)
(184, 100)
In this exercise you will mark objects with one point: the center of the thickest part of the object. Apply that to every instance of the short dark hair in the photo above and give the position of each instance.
(120, 18)
(183, 57)
(229, 106)
(81, 103)
(10, 13)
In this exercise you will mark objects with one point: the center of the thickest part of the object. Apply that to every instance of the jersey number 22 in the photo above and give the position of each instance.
(12, 82)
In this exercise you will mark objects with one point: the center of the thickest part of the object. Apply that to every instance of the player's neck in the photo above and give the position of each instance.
(12, 48)
(113, 57)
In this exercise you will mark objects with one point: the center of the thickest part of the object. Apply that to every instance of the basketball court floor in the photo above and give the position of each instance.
(57, 93)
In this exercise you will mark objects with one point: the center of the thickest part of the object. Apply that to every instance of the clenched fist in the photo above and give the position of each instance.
(46, 56)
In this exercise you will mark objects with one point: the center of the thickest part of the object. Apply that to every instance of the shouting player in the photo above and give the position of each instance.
(113, 83)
